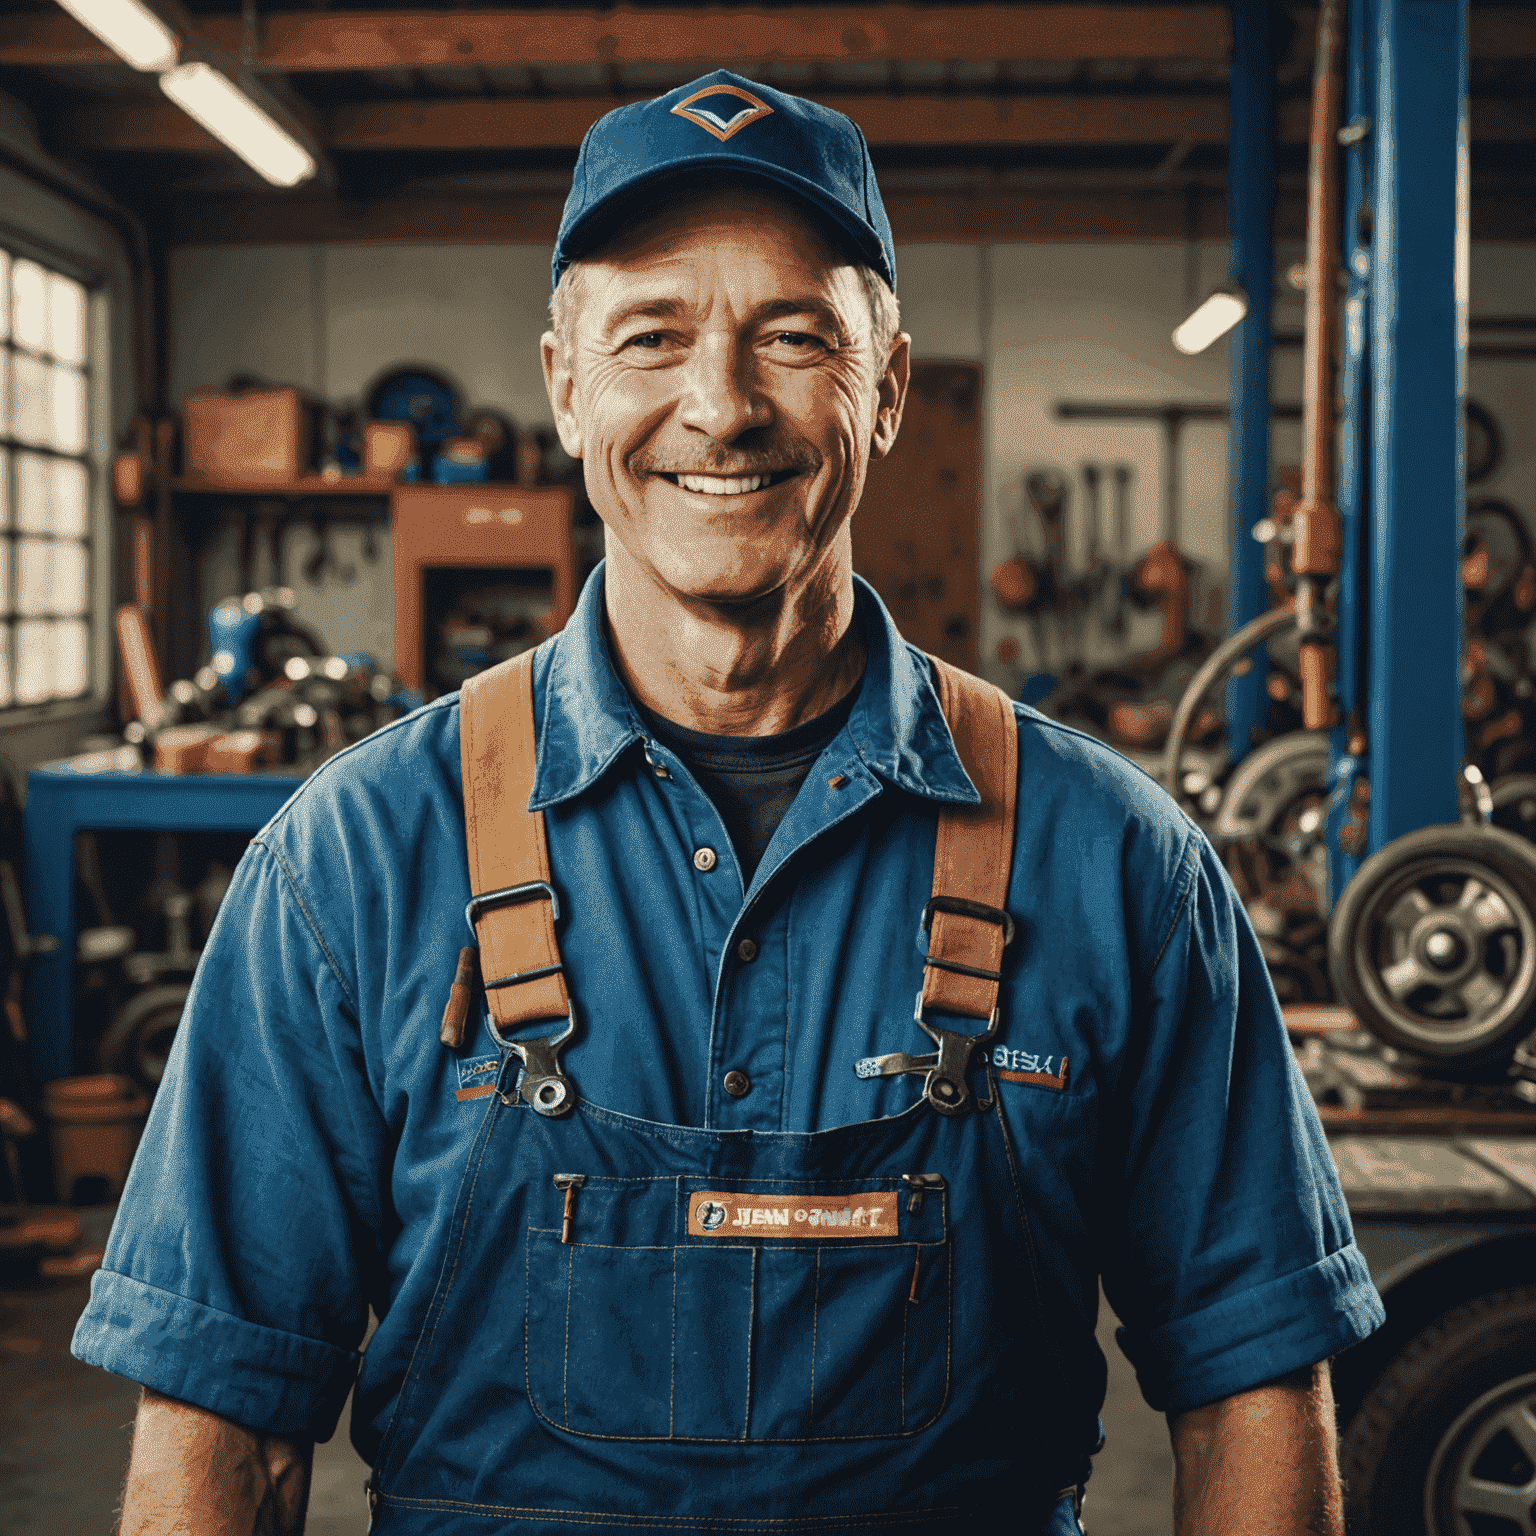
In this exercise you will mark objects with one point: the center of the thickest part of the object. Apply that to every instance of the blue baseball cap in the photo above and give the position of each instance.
(723, 122)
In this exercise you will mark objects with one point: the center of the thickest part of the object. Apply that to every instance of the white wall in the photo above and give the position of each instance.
(1047, 321)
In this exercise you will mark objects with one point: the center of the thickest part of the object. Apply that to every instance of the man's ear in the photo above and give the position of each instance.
(560, 384)
(892, 396)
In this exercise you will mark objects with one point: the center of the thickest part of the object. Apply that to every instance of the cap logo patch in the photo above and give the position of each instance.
(729, 119)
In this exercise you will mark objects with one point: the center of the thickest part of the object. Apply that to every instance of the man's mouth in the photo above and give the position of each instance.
(727, 485)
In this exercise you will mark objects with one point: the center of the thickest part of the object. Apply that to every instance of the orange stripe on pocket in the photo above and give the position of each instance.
(1039, 1079)
(479, 1091)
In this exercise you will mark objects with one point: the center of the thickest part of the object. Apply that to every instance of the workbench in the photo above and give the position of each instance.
(61, 801)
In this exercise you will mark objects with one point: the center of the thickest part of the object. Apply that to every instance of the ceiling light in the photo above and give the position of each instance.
(210, 97)
(129, 29)
(1213, 319)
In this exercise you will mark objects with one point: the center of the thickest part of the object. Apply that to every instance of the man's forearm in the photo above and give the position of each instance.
(193, 1473)
(1261, 1463)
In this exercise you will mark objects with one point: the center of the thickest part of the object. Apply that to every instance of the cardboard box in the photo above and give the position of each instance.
(259, 437)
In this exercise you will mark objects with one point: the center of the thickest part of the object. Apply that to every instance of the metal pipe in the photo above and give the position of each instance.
(1322, 261)
(1250, 216)
(1315, 550)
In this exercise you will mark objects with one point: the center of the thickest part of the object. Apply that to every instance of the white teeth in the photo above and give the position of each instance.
(714, 485)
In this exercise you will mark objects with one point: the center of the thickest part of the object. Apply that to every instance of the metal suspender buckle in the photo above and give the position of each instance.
(543, 1084)
(961, 907)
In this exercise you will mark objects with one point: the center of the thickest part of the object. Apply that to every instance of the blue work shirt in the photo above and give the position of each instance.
(304, 1150)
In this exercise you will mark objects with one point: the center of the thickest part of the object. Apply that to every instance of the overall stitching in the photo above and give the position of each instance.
(565, 1379)
(746, 1423)
(444, 1284)
(815, 1323)
(685, 1522)
(672, 1438)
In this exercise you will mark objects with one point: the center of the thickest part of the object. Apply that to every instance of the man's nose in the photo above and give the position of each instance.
(722, 397)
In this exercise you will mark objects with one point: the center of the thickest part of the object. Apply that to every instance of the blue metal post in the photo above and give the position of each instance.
(1418, 365)
(1353, 605)
(1250, 218)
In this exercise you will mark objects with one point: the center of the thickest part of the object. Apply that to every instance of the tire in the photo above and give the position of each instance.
(1514, 804)
(1470, 890)
(1432, 1444)
(139, 1039)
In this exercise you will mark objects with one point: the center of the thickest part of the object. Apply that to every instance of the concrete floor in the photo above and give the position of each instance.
(64, 1433)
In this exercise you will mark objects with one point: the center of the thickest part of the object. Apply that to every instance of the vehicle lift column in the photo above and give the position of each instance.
(1418, 258)
(1250, 205)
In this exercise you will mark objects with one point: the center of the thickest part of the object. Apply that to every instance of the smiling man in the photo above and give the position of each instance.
(679, 1216)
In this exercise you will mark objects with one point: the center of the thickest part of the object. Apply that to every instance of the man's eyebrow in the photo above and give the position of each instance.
(644, 309)
(769, 309)
(807, 304)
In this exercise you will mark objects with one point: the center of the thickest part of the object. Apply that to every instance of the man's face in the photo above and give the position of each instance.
(726, 392)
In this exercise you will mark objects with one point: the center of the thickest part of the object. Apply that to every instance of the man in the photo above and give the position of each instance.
(719, 1250)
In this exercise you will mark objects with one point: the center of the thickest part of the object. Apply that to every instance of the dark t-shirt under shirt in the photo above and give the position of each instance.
(751, 779)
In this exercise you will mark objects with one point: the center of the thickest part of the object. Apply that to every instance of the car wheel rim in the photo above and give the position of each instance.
(1482, 1477)
(1447, 952)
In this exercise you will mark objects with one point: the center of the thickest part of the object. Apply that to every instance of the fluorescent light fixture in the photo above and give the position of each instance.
(1213, 319)
(129, 29)
(213, 100)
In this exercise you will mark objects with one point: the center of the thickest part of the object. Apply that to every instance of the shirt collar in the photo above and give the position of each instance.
(897, 726)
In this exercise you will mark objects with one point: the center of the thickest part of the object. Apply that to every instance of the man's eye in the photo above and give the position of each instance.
(651, 340)
(797, 339)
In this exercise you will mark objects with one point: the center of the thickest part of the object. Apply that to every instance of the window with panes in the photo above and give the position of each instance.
(45, 484)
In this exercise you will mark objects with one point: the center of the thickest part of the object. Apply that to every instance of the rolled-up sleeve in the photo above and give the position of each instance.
(237, 1273)
(1228, 1254)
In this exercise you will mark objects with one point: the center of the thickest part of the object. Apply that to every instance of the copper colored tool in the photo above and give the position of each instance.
(1317, 528)
(570, 1183)
(460, 994)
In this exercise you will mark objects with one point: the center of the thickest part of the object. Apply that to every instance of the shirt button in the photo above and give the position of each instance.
(738, 1084)
(746, 951)
(704, 860)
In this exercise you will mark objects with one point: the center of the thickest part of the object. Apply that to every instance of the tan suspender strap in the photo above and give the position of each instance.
(507, 848)
(973, 854)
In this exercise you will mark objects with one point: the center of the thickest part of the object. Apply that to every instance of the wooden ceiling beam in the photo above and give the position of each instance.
(940, 121)
(296, 42)
(945, 122)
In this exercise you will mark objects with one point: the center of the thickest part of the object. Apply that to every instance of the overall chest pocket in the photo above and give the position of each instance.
(741, 1310)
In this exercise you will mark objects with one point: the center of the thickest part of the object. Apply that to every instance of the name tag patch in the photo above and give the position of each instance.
(477, 1077)
(718, 1213)
(1030, 1067)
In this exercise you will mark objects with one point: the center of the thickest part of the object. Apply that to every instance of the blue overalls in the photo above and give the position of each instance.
(657, 1327)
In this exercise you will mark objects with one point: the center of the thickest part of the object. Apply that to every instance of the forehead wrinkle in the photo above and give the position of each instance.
(644, 309)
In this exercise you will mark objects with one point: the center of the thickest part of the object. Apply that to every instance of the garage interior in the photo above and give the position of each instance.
(277, 465)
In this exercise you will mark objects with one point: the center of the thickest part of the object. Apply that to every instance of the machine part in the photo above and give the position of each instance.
(137, 1043)
(1216, 665)
(422, 396)
(1295, 975)
(1442, 1444)
(1269, 782)
(500, 440)
(1485, 443)
(1514, 804)
(1498, 568)
(1433, 943)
